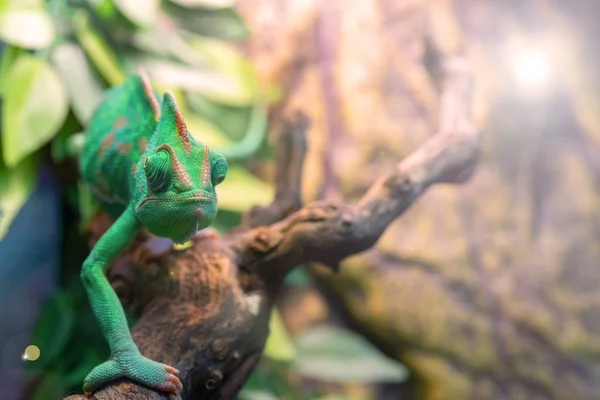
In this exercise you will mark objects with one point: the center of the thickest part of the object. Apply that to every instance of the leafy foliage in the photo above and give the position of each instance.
(335, 354)
(34, 107)
(323, 353)
(59, 56)
(16, 185)
(279, 347)
(25, 24)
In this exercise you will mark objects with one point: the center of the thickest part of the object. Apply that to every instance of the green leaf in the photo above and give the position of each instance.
(25, 24)
(249, 394)
(223, 23)
(51, 387)
(254, 138)
(87, 360)
(155, 43)
(227, 60)
(222, 87)
(242, 190)
(332, 397)
(141, 12)
(16, 185)
(232, 122)
(9, 55)
(218, 53)
(268, 381)
(205, 3)
(34, 108)
(66, 144)
(101, 54)
(54, 327)
(226, 220)
(279, 345)
(334, 354)
(87, 204)
(205, 132)
(84, 89)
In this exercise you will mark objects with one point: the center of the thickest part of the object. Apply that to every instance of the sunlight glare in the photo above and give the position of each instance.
(532, 68)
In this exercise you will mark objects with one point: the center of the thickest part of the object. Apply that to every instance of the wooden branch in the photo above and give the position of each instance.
(125, 390)
(327, 233)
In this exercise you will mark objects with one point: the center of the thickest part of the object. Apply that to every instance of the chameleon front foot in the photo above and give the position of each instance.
(137, 368)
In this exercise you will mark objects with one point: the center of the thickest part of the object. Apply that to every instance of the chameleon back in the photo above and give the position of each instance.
(115, 141)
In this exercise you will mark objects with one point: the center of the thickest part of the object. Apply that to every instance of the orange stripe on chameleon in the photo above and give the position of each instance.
(150, 94)
(107, 142)
(176, 165)
(142, 143)
(206, 167)
(102, 186)
(182, 131)
(124, 148)
(121, 122)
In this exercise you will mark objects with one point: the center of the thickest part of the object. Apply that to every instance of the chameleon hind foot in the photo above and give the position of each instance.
(137, 368)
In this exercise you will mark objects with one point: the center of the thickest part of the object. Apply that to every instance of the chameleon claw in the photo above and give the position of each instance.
(168, 387)
(171, 384)
(171, 370)
(175, 380)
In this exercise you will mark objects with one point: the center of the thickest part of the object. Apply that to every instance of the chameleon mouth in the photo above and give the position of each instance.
(177, 199)
(177, 216)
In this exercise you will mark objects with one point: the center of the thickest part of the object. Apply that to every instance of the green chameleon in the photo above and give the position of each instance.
(146, 171)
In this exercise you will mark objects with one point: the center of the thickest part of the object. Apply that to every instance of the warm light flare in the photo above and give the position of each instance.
(31, 353)
(532, 68)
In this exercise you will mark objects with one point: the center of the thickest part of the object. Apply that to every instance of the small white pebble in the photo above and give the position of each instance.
(253, 302)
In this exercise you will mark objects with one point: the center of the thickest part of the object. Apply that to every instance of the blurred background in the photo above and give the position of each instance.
(489, 290)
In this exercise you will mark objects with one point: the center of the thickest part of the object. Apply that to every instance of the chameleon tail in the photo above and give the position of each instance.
(254, 137)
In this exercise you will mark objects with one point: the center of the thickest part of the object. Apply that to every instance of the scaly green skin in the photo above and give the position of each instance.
(146, 171)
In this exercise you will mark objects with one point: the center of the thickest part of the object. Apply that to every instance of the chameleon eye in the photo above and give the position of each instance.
(158, 172)
(219, 172)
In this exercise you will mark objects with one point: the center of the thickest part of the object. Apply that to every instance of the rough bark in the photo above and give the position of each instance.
(196, 306)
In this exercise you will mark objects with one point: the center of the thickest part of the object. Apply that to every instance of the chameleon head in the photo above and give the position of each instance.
(176, 179)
